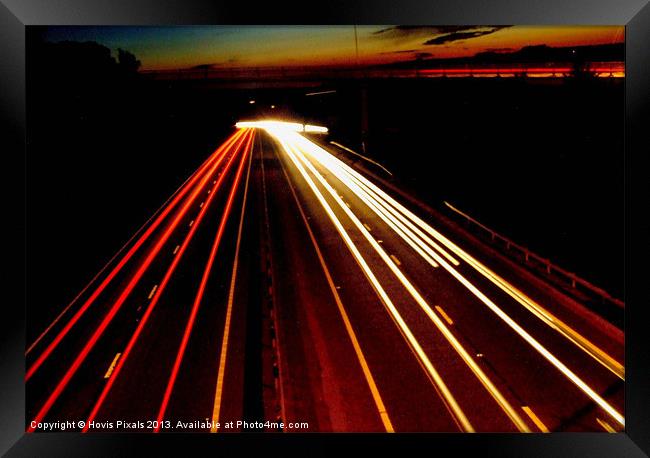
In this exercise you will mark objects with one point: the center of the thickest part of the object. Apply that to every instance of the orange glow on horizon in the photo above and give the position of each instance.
(224, 47)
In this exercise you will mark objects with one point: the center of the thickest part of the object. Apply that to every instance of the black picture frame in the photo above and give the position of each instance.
(634, 14)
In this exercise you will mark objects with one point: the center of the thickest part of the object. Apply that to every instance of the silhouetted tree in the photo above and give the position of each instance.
(127, 61)
(80, 82)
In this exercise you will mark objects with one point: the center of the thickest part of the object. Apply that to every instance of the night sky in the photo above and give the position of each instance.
(252, 46)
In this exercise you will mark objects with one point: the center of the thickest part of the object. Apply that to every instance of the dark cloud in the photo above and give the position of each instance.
(401, 51)
(203, 66)
(401, 32)
(466, 34)
(423, 55)
(499, 49)
(407, 32)
(231, 60)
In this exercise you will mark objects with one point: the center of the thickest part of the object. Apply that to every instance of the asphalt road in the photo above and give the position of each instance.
(277, 284)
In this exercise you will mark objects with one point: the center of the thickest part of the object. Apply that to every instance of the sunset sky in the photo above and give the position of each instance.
(251, 46)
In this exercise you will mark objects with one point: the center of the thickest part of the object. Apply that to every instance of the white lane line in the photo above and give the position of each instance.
(402, 213)
(112, 366)
(473, 366)
(379, 403)
(318, 153)
(448, 399)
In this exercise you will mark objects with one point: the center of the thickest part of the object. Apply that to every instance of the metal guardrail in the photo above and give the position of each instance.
(363, 157)
(611, 69)
(550, 268)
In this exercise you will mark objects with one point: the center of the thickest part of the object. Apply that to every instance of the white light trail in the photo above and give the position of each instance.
(409, 227)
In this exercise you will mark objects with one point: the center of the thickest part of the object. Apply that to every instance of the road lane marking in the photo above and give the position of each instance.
(606, 426)
(277, 371)
(330, 162)
(379, 403)
(159, 214)
(201, 206)
(542, 427)
(444, 315)
(176, 249)
(216, 409)
(112, 366)
(366, 226)
(108, 318)
(445, 394)
(198, 298)
(473, 366)
(170, 270)
(393, 219)
(191, 222)
(155, 287)
(403, 213)
(395, 260)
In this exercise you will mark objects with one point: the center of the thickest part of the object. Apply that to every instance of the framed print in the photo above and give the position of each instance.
(264, 229)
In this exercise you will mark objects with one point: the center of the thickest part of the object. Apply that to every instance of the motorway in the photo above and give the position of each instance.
(279, 283)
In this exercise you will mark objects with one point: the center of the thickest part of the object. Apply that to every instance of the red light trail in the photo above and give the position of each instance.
(199, 294)
(116, 306)
(217, 155)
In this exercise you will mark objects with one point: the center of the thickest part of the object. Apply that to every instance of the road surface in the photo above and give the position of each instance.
(280, 284)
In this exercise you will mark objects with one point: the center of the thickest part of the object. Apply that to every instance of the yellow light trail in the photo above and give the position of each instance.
(379, 403)
(293, 126)
(465, 356)
(383, 204)
(318, 152)
(334, 165)
(442, 388)
(547, 317)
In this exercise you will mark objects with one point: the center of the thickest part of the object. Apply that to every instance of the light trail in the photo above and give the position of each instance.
(223, 354)
(407, 229)
(216, 159)
(547, 317)
(469, 361)
(116, 306)
(616, 71)
(448, 399)
(294, 126)
(372, 385)
(181, 191)
(199, 294)
(318, 153)
(163, 283)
